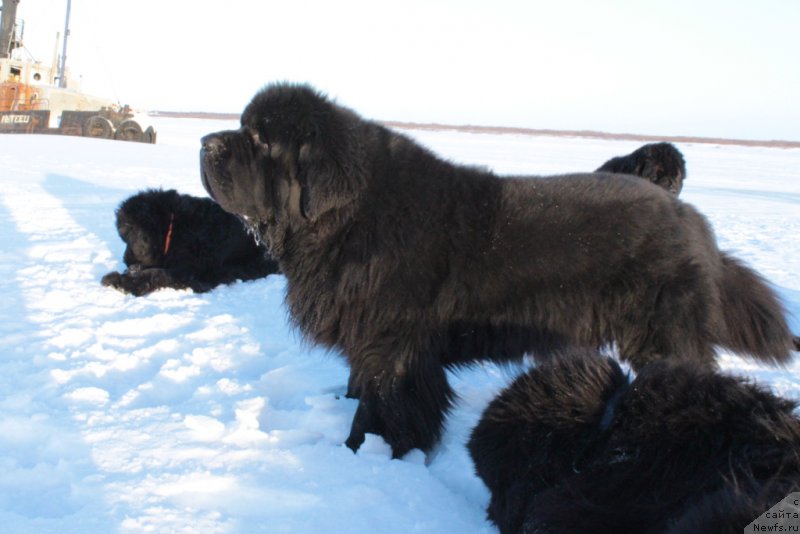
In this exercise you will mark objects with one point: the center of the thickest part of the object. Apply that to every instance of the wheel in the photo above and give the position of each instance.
(129, 130)
(99, 127)
(149, 135)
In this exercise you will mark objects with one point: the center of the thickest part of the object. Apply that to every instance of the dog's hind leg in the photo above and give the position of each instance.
(677, 324)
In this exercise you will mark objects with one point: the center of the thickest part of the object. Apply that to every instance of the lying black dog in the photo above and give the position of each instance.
(661, 163)
(571, 446)
(181, 241)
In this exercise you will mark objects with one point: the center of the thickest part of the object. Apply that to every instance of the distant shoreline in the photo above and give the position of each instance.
(520, 131)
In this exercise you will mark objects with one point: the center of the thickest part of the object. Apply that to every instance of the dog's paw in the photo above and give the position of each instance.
(112, 279)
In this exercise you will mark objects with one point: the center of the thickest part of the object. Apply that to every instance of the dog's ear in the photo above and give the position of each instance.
(641, 169)
(321, 181)
(300, 195)
(305, 201)
(299, 201)
(658, 171)
(649, 170)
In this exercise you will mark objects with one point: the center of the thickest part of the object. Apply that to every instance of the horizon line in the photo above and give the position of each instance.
(506, 130)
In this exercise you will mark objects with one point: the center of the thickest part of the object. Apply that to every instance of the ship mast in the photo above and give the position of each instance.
(7, 27)
(62, 67)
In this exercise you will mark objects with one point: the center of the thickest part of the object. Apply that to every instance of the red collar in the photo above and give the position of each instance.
(169, 233)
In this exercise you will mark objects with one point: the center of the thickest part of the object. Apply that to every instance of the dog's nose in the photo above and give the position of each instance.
(213, 144)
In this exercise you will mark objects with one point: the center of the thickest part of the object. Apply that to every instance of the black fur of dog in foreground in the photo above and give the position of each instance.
(408, 264)
(572, 446)
(180, 241)
(660, 163)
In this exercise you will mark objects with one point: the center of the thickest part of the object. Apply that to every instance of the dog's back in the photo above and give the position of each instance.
(614, 260)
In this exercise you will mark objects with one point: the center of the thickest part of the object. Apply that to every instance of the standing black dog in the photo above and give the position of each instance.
(571, 446)
(408, 264)
(181, 241)
(660, 163)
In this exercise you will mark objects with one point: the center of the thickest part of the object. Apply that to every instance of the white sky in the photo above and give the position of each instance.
(726, 68)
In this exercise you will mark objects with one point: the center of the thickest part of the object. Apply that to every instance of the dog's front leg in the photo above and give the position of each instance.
(141, 281)
(403, 399)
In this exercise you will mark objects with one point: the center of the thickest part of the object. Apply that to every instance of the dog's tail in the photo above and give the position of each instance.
(755, 320)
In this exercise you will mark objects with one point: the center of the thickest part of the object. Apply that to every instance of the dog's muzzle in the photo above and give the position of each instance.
(214, 147)
(214, 154)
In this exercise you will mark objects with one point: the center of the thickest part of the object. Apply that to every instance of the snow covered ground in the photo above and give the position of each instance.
(205, 413)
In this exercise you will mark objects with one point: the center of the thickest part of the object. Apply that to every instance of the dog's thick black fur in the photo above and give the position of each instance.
(180, 241)
(571, 446)
(660, 163)
(407, 263)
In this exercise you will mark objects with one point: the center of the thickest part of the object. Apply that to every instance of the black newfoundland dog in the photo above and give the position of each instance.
(571, 446)
(660, 163)
(407, 263)
(181, 241)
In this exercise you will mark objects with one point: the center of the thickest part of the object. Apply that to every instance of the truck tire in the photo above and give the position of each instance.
(99, 127)
(149, 135)
(129, 130)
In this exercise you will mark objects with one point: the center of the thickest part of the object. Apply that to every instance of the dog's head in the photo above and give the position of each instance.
(659, 163)
(293, 160)
(143, 222)
(542, 429)
(662, 164)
